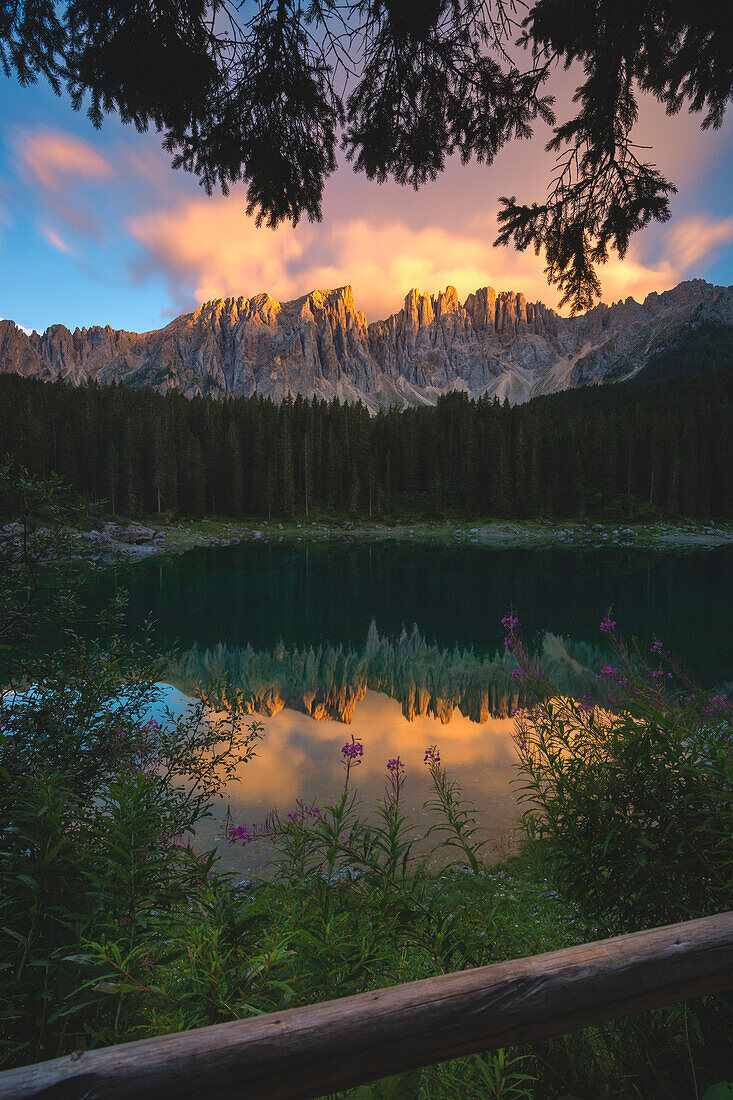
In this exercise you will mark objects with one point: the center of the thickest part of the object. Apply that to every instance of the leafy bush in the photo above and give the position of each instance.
(96, 800)
(633, 799)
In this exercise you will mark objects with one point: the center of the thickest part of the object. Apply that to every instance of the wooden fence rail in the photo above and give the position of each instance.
(307, 1052)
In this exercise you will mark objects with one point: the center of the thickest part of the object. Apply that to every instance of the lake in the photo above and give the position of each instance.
(402, 646)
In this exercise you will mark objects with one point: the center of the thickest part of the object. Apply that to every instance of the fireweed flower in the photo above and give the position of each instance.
(351, 755)
(239, 833)
(719, 706)
(607, 625)
(395, 779)
(353, 752)
(302, 816)
(510, 623)
(432, 757)
(657, 647)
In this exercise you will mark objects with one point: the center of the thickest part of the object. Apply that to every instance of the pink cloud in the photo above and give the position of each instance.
(49, 155)
(694, 238)
(686, 243)
(4, 217)
(56, 241)
(57, 164)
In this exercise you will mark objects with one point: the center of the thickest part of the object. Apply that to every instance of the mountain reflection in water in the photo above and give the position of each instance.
(326, 682)
(301, 758)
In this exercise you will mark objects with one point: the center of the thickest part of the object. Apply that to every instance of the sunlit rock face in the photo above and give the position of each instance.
(494, 344)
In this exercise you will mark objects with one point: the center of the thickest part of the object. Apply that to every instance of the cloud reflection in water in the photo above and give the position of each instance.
(397, 696)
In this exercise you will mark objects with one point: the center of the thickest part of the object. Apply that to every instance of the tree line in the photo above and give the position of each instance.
(621, 450)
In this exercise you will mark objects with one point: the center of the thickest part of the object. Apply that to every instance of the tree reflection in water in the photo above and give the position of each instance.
(326, 682)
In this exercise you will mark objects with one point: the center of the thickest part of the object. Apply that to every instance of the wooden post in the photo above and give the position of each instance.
(306, 1052)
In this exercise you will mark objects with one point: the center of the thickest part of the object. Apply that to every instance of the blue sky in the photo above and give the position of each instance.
(95, 228)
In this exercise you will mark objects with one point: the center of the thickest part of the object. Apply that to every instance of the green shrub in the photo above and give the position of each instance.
(96, 802)
(631, 799)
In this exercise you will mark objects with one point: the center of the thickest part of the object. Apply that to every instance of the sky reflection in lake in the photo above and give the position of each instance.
(301, 758)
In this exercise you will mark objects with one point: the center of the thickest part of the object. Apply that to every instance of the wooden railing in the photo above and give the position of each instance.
(308, 1052)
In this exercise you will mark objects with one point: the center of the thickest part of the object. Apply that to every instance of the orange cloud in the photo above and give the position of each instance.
(385, 261)
(211, 246)
(381, 240)
(48, 155)
(211, 243)
(632, 278)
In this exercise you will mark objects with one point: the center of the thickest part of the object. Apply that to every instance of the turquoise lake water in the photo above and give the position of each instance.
(265, 595)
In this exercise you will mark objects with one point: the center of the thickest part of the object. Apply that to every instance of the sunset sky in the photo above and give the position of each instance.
(95, 228)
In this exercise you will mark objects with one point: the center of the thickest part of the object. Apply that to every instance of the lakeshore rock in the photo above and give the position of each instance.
(132, 533)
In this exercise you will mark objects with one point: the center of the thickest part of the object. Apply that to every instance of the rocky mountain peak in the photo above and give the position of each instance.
(494, 343)
(481, 307)
(419, 309)
(447, 302)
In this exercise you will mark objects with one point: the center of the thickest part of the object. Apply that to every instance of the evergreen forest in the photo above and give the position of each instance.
(622, 450)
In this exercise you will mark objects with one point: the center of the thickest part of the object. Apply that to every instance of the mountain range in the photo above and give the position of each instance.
(495, 344)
